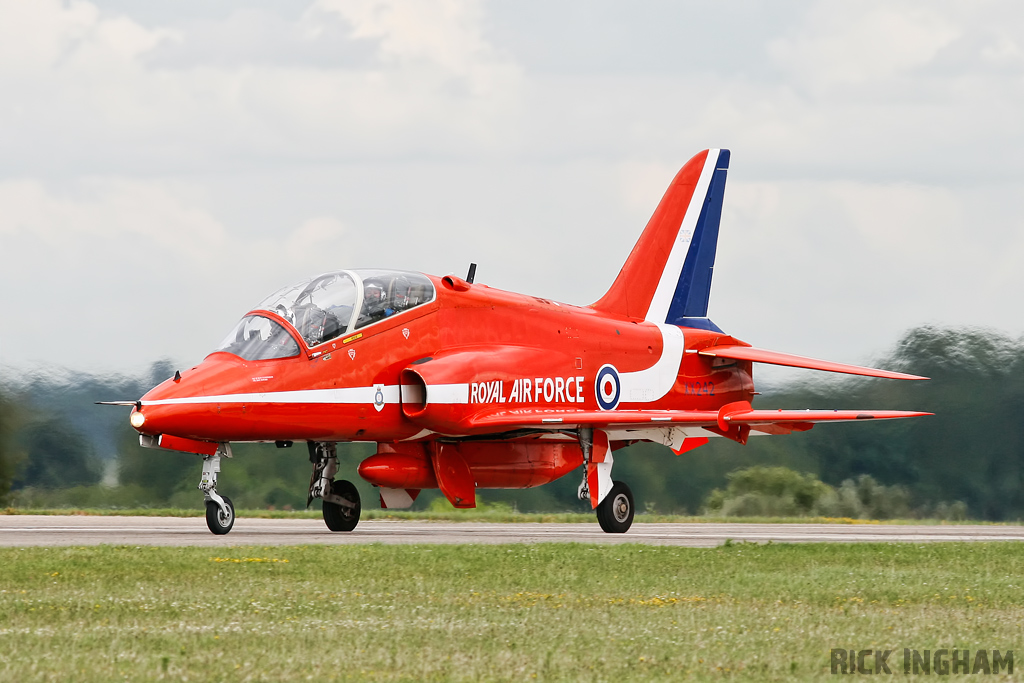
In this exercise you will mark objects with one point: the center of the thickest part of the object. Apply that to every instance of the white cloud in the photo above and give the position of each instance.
(841, 268)
(442, 32)
(854, 44)
(317, 234)
(90, 86)
(109, 210)
(51, 35)
(138, 271)
(178, 164)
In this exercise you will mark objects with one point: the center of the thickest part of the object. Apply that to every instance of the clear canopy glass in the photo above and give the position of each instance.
(327, 306)
(320, 308)
(387, 292)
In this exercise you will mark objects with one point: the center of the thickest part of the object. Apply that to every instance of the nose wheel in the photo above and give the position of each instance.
(219, 518)
(615, 512)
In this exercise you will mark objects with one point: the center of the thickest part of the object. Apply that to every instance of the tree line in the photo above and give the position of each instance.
(58, 448)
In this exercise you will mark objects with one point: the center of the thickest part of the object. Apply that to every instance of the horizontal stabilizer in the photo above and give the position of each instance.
(776, 358)
(765, 417)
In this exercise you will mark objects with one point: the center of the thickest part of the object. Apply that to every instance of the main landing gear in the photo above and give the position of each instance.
(612, 500)
(341, 499)
(220, 513)
(615, 512)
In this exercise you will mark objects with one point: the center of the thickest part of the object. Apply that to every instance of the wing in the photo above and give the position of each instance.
(731, 420)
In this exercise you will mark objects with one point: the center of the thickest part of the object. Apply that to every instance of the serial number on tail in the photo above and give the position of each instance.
(699, 388)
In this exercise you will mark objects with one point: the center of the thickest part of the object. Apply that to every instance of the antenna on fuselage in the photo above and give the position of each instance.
(472, 273)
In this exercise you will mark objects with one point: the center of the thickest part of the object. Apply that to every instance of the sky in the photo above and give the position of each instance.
(165, 166)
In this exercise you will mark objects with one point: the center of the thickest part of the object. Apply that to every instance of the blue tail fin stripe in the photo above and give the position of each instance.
(694, 287)
(698, 324)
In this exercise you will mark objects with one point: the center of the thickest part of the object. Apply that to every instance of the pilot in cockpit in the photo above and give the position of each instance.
(375, 304)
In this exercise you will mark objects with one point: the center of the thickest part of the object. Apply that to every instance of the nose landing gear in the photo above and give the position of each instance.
(341, 498)
(220, 512)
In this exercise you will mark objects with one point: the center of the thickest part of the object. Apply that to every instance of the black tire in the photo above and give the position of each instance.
(615, 512)
(219, 522)
(338, 517)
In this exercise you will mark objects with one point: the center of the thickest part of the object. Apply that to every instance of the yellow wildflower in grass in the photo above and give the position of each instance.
(240, 560)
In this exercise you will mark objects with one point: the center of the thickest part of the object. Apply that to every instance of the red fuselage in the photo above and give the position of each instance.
(511, 349)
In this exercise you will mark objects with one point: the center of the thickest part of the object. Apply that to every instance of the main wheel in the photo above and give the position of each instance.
(339, 517)
(219, 521)
(615, 512)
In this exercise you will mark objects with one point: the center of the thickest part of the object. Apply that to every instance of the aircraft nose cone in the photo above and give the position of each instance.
(183, 405)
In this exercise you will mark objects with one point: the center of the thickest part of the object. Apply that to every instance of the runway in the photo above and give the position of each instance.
(39, 530)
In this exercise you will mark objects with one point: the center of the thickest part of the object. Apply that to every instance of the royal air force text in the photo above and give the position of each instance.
(538, 390)
(553, 390)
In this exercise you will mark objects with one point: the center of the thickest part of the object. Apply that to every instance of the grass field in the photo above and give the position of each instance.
(517, 612)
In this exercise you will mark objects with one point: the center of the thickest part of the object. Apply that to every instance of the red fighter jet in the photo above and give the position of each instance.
(463, 387)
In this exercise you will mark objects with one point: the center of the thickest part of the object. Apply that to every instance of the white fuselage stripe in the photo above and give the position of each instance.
(662, 299)
(646, 386)
(445, 393)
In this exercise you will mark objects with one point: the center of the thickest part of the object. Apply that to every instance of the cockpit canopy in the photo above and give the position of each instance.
(325, 307)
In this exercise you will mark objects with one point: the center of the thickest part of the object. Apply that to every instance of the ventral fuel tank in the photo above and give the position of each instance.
(491, 464)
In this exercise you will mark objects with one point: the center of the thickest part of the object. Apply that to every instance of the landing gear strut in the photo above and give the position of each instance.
(341, 499)
(612, 500)
(220, 513)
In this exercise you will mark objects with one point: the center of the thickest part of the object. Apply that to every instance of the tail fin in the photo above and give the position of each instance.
(667, 277)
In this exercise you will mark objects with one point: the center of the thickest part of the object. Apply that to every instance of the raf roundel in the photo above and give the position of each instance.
(607, 387)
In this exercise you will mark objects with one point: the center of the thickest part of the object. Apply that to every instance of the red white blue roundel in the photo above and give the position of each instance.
(607, 387)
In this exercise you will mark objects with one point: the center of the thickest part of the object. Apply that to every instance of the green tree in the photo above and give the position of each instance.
(159, 473)
(767, 491)
(56, 457)
(10, 455)
(972, 450)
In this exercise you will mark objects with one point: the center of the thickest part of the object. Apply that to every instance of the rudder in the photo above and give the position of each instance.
(667, 277)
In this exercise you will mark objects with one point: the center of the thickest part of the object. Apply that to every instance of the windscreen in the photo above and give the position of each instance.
(259, 338)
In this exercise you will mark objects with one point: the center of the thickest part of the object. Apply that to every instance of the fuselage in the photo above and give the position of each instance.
(469, 348)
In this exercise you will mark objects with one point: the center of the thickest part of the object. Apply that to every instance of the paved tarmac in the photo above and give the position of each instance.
(40, 530)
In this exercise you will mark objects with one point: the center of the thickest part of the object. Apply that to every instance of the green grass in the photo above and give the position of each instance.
(554, 612)
(498, 514)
